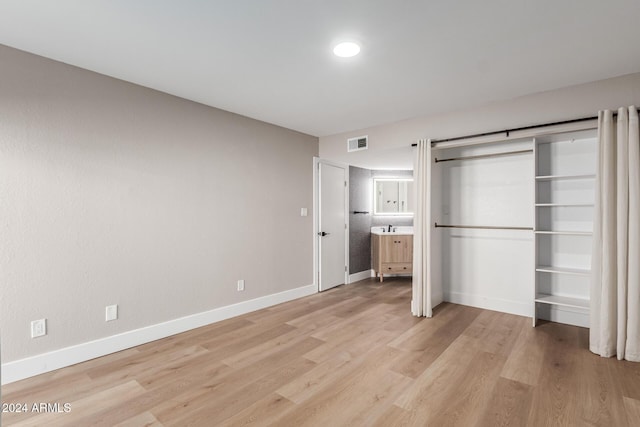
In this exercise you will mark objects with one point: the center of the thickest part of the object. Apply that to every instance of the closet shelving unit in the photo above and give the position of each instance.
(564, 167)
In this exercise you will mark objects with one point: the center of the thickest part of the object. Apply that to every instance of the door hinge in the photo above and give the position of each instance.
(345, 268)
(345, 183)
(345, 226)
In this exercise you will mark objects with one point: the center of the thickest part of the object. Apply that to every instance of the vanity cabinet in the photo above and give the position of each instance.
(392, 254)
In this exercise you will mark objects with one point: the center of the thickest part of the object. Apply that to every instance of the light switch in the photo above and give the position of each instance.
(303, 211)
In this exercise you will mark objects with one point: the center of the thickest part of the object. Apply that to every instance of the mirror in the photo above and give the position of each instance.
(393, 196)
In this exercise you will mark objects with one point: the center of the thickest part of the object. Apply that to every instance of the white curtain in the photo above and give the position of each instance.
(615, 278)
(422, 303)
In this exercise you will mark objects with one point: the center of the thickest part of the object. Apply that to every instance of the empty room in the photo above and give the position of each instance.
(331, 213)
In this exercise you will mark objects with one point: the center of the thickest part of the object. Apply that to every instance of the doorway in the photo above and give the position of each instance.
(331, 225)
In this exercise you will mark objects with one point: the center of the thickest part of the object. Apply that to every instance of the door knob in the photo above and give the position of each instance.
(323, 233)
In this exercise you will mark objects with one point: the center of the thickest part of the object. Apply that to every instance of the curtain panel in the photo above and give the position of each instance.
(422, 303)
(615, 272)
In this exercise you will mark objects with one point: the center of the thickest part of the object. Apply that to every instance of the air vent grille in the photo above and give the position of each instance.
(358, 143)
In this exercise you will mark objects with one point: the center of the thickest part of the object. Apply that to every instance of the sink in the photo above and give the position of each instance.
(400, 230)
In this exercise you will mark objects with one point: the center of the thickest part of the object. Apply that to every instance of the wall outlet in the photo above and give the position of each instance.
(38, 328)
(240, 285)
(111, 313)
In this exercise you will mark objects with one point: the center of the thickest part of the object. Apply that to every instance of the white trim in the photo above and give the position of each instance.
(316, 240)
(41, 363)
(490, 303)
(347, 228)
(366, 274)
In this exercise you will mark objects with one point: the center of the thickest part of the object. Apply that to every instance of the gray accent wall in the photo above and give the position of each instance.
(112, 193)
(361, 199)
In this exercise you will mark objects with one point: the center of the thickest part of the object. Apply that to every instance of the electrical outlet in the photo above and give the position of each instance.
(38, 328)
(111, 312)
(240, 285)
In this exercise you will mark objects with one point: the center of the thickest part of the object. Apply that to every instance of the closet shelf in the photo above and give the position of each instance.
(563, 177)
(563, 205)
(563, 301)
(484, 227)
(564, 141)
(563, 270)
(565, 233)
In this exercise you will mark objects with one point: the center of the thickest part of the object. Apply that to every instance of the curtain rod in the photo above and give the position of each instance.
(508, 131)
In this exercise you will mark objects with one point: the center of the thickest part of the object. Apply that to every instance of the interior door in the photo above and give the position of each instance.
(331, 225)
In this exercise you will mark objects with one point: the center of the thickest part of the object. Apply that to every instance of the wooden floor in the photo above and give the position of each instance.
(351, 356)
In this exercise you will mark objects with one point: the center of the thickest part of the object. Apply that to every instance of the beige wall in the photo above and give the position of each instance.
(111, 193)
(389, 145)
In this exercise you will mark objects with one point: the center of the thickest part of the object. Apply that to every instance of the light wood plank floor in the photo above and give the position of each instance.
(352, 356)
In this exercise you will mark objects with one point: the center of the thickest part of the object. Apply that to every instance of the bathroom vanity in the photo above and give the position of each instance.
(392, 251)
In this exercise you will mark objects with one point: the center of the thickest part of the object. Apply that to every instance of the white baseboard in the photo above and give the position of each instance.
(490, 303)
(565, 315)
(355, 277)
(41, 363)
(554, 314)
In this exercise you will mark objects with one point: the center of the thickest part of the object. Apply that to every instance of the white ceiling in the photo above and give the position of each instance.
(272, 60)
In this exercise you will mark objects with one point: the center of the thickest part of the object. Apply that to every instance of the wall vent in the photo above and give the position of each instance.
(358, 143)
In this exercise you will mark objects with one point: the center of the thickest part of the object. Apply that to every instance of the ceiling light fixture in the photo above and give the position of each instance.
(346, 49)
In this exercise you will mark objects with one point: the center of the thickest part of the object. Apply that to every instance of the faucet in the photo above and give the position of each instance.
(390, 228)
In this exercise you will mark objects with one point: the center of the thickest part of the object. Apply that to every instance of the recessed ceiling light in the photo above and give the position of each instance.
(346, 49)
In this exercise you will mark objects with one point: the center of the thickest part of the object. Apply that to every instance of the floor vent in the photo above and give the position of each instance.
(358, 143)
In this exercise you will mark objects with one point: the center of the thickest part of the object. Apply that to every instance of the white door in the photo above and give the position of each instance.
(331, 225)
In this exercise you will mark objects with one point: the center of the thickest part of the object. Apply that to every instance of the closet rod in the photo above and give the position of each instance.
(483, 227)
(483, 156)
(508, 131)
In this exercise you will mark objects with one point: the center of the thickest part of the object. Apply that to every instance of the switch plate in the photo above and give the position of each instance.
(111, 313)
(38, 328)
(303, 212)
(240, 285)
